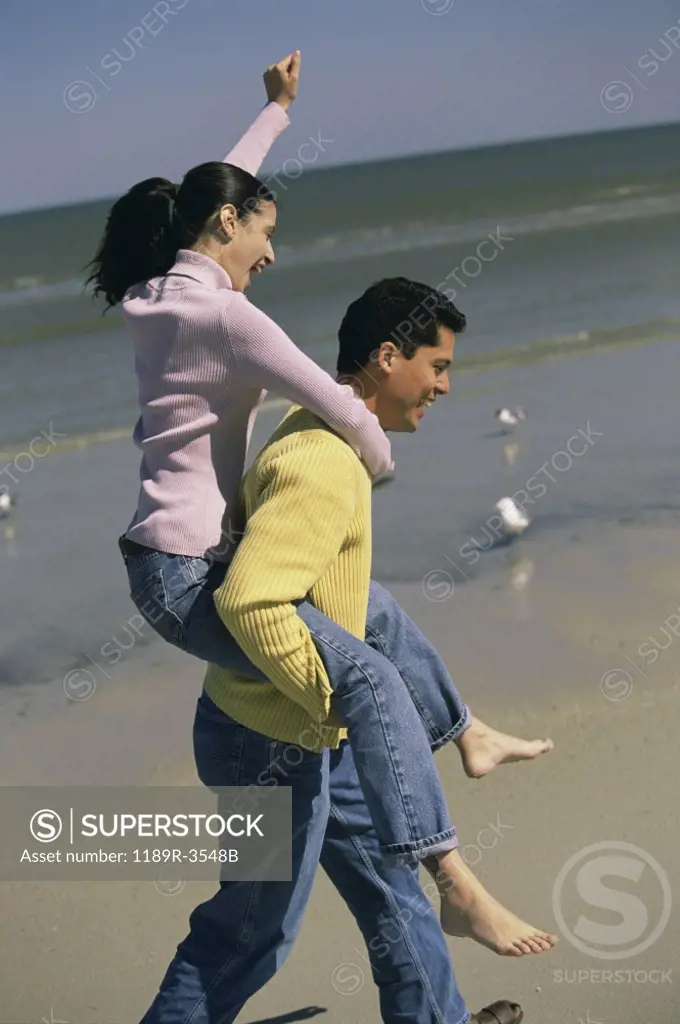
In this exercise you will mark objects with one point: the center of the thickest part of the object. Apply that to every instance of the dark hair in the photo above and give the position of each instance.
(147, 225)
(395, 309)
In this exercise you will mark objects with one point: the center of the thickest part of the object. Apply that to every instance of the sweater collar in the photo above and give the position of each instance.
(200, 268)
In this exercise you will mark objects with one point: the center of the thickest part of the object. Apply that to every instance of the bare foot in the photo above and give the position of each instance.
(469, 911)
(482, 749)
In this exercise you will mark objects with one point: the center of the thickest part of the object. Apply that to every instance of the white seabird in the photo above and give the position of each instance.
(510, 417)
(7, 502)
(515, 520)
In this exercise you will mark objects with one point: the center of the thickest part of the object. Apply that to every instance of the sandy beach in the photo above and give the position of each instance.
(547, 649)
(552, 221)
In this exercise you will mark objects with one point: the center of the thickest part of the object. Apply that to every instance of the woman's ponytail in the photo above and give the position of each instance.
(140, 240)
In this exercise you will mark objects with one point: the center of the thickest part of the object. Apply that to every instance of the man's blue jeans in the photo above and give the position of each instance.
(393, 691)
(239, 938)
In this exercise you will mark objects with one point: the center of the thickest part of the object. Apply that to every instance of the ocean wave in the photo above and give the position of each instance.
(560, 346)
(430, 234)
(620, 204)
(33, 289)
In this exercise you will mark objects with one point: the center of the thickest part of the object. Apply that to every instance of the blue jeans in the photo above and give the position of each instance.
(393, 691)
(238, 939)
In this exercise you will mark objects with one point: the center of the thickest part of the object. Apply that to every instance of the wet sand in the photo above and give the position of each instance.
(544, 647)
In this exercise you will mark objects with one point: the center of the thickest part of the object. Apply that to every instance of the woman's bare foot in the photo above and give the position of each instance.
(469, 911)
(482, 748)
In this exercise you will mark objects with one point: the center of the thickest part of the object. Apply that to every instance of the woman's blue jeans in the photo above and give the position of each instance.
(393, 692)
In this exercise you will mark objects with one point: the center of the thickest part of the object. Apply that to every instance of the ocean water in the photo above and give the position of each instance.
(587, 231)
(585, 267)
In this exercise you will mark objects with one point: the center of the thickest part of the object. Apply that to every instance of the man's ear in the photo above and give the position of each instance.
(385, 355)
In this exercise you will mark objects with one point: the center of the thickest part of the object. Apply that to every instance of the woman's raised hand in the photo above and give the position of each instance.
(281, 80)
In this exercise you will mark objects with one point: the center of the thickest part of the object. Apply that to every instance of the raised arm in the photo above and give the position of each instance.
(281, 84)
(290, 541)
(264, 356)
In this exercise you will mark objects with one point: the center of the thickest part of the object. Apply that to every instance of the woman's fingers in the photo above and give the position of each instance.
(289, 64)
(294, 66)
(281, 80)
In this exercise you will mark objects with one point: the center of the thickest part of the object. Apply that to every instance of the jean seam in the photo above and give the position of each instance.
(422, 973)
(380, 641)
(380, 644)
(396, 849)
(458, 729)
(376, 594)
(176, 624)
(406, 803)
(192, 575)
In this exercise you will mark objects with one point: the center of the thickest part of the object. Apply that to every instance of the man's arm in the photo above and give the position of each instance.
(292, 538)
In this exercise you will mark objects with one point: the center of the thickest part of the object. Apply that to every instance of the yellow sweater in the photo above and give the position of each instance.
(307, 504)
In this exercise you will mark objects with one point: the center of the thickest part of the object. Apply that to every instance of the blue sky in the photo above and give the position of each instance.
(379, 78)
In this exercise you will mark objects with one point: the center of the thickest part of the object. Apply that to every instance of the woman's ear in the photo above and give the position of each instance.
(226, 223)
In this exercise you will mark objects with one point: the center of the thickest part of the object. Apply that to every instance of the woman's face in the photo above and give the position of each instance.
(249, 250)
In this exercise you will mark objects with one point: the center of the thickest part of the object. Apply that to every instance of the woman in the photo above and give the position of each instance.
(180, 258)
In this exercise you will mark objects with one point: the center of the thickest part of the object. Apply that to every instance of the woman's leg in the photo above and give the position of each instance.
(408, 957)
(391, 747)
(446, 718)
(383, 715)
(468, 911)
(174, 593)
(393, 634)
(386, 732)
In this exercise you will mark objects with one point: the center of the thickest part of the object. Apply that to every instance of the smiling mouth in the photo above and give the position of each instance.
(258, 267)
(425, 403)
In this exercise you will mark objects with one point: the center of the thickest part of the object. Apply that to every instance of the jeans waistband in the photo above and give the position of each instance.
(130, 548)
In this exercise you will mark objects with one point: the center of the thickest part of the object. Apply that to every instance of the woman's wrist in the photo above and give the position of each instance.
(284, 102)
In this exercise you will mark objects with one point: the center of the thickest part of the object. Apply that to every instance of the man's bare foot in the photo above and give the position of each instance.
(482, 748)
(469, 911)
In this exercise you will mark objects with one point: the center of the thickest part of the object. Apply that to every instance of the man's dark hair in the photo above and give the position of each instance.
(395, 309)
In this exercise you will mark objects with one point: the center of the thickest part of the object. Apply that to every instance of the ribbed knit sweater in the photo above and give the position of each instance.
(203, 355)
(307, 503)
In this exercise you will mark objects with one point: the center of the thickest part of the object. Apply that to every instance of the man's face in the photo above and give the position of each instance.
(408, 386)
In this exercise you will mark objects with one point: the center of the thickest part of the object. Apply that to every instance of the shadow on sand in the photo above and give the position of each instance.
(305, 1013)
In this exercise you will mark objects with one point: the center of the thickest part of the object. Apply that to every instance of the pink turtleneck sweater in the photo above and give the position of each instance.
(204, 355)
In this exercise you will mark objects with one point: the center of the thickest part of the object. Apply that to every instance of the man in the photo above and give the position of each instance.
(307, 504)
